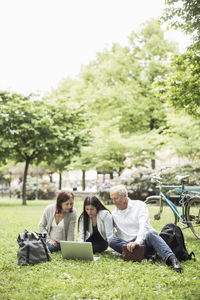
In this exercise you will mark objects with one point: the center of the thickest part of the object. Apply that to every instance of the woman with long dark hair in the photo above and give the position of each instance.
(59, 220)
(95, 224)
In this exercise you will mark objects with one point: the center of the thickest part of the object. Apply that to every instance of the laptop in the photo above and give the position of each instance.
(76, 250)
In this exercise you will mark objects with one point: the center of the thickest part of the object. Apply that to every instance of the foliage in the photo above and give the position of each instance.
(139, 184)
(34, 131)
(111, 151)
(107, 278)
(107, 154)
(183, 136)
(70, 90)
(146, 146)
(184, 14)
(182, 85)
(192, 170)
(151, 51)
(59, 164)
(118, 82)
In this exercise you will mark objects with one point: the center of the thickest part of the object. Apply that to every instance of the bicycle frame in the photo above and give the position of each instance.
(189, 201)
(171, 204)
(173, 207)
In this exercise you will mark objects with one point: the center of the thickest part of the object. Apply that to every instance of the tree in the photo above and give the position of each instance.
(34, 131)
(76, 133)
(147, 112)
(118, 84)
(182, 86)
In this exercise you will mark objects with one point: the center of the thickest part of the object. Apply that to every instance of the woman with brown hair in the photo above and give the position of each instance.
(59, 220)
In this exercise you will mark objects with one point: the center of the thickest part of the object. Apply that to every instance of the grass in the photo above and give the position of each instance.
(107, 278)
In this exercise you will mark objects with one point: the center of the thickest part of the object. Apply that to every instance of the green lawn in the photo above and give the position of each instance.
(108, 278)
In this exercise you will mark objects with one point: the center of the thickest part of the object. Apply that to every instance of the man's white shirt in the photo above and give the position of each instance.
(132, 222)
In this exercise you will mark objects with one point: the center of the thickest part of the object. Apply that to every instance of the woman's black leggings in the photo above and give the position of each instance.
(98, 246)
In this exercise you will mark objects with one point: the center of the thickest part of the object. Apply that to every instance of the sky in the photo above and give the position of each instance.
(44, 41)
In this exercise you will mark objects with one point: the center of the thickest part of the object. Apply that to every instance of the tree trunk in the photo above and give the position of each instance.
(10, 179)
(153, 164)
(36, 185)
(24, 181)
(104, 176)
(83, 180)
(51, 177)
(60, 180)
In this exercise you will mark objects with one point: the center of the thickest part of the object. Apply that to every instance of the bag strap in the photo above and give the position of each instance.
(45, 248)
(27, 253)
(25, 233)
(43, 244)
(35, 235)
(182, 237)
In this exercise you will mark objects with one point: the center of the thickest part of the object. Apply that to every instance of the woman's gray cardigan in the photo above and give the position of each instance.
(69, 222)
(104, 226)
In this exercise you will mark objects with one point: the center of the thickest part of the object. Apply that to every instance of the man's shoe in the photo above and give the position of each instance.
(174, 263)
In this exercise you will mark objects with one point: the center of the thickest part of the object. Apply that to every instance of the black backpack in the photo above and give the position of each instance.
(173, 236)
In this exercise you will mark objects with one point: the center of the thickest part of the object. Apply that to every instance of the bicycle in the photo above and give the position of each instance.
(189, 202)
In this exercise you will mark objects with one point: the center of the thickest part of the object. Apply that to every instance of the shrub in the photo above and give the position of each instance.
(139, 184)
(46, 189)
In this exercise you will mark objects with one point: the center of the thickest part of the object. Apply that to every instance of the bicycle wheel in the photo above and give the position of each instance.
(193, 215)
(159, 217)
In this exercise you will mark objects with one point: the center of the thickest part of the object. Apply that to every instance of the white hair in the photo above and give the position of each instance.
(119, 189)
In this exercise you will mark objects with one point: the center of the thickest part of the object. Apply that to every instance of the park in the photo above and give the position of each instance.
(132, 114)
(107, 278)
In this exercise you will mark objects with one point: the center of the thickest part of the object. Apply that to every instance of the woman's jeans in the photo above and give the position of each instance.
(53, 248)
(153, 242)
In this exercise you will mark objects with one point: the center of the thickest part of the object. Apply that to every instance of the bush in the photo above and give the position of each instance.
(103, 192)
(46, 189)
(139, 184)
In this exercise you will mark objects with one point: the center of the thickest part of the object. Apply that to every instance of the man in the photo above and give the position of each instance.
(133, 226)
